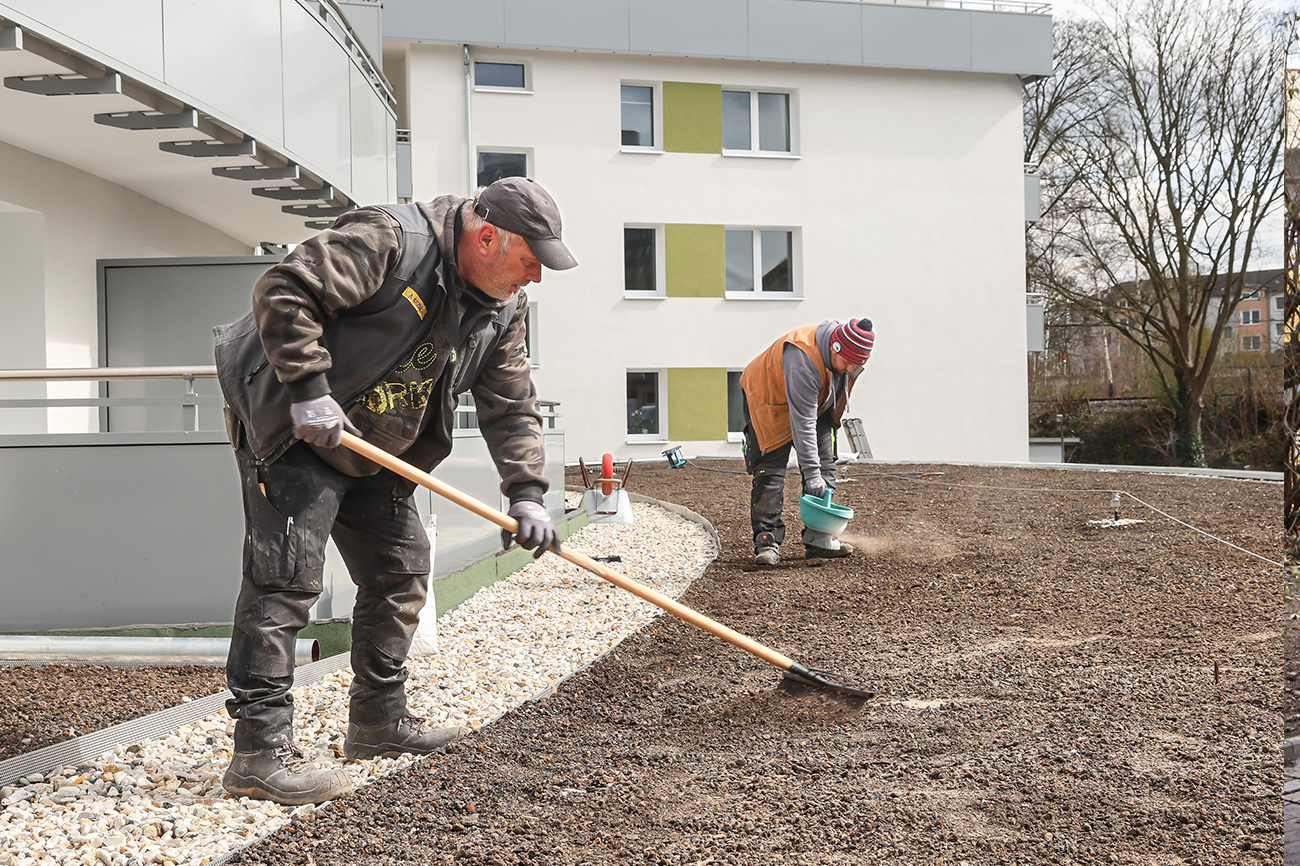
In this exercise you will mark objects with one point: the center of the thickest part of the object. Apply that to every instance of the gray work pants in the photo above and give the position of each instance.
(291, 507)
(767, 492)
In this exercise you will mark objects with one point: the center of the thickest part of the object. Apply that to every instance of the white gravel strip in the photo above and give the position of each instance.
(161, 801)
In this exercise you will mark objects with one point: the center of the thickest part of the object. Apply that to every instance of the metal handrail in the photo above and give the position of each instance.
(95, 374)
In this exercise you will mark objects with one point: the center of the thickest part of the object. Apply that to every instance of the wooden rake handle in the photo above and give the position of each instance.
(505, 521)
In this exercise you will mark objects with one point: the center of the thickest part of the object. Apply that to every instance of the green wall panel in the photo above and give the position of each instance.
(697, 403)
(696, 261)
(692, 117)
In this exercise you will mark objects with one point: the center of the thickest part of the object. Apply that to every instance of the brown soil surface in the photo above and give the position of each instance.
(46, 704)
(1047, 692)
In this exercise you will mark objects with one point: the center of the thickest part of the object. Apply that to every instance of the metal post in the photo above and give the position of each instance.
(189, 409)
(1060, 428)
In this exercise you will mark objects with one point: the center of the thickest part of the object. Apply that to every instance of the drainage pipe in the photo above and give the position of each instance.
(41, 649)
(470, 158)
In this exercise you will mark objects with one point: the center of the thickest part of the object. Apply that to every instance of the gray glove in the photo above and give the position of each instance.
(320, 422)
(536, 529)
(814, 485)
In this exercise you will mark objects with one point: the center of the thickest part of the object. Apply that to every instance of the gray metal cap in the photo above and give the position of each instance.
(520, 205)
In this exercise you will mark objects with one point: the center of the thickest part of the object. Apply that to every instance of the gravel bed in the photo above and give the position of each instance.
(1050, 691)
(46, 704)
(162, 801)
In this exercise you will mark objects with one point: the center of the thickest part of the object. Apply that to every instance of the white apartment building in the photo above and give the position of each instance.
(729, 170)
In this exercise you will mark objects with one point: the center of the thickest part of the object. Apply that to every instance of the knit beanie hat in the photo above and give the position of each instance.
(854, 340)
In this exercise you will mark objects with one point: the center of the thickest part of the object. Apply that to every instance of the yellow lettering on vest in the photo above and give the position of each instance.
(411, 295)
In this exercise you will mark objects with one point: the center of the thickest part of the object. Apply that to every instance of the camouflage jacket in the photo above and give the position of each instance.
(373, 311)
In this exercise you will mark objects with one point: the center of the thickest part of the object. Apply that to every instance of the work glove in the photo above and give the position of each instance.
(320, 422)
(814, 485)
(536, 529)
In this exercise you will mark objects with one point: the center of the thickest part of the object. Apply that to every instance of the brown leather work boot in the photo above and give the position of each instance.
(283, 774)
(411, 734)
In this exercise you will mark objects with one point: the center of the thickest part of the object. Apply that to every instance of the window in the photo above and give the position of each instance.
(494, 165)
(1279, 303)
(1250, 342)
(644, 406)
(466, 417)
(1250, 317)
(641, 266)
(1250, 296)
(1279, 329)
(638, 115)
(530, 336)
(755, 122)
(505, 76)
(769, 253)
(735, 407)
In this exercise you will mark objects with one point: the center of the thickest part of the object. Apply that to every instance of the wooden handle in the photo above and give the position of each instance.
(677, 609)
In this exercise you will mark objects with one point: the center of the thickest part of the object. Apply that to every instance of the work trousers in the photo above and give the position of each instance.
(767, 491)
(291, 508)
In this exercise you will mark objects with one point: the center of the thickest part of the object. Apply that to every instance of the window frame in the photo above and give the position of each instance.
(525, 62)
(734, 435)
(754, 152)
(526, 152)
(1249, 317)
(656, 115)
(1279, 303)
(532, 344)
(661, 263)
(1279, 329)
(796, 280)
(1258, 343)
(661, 408)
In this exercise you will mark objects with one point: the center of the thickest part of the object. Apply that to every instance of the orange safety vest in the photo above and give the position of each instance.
(764, 385)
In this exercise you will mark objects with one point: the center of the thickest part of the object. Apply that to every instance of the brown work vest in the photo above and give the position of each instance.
(764, 385)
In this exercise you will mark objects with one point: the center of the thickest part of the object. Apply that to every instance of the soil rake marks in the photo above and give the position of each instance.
(796, 678)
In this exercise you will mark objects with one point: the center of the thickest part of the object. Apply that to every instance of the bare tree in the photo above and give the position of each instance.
(1169, 166)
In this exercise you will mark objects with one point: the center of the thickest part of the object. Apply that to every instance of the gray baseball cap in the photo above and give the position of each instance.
(520, 205)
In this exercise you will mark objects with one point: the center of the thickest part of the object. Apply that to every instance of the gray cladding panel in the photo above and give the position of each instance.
(1017, 44)
(708, 28)
(482, 21)
(598, 25)
(317, 110)
(130, 31)
(199, 42)
(799, 30)
(915, 38)
(110, 536)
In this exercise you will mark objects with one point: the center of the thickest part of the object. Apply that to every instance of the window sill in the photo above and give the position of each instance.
(761, 154)
(763, 296)
(627, 148)
(486, 89)
(646, 439)
(644, 296)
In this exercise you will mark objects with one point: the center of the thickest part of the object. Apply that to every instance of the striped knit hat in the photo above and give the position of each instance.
(854, 341)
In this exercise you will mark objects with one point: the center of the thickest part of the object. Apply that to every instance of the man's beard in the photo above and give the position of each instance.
(491, 277)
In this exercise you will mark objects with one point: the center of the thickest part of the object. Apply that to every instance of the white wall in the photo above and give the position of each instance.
(910, 199)
(85, 218)
(22, 327)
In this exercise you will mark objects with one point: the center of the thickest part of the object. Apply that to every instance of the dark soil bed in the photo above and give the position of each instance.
(1048, 692)
(46, 704)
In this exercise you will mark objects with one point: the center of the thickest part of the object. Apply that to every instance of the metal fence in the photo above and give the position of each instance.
(114, 528)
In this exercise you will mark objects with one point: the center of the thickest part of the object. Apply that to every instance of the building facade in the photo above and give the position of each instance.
(729, 170)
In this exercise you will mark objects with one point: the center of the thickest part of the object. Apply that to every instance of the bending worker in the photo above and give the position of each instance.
(374, 325)
(794, 394)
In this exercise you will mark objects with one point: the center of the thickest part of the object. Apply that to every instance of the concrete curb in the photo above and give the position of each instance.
(90, 746)
(1237, 474)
